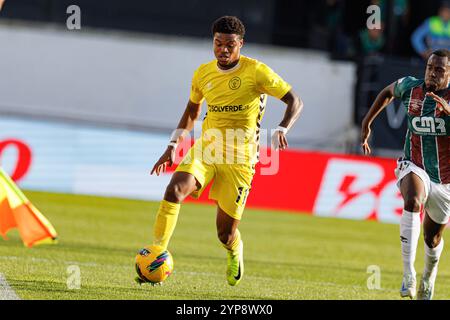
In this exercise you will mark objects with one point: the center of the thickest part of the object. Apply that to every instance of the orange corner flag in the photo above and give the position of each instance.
(16, 211)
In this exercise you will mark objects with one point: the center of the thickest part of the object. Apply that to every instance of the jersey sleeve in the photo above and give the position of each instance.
(402, 85)
(196, 95)
(267, 81)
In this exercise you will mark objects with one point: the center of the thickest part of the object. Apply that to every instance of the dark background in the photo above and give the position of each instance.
(293, 23)
(331, 26)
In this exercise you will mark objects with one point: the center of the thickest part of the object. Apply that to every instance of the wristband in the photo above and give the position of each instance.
(282, 129)
(176, 134)
(173, 144)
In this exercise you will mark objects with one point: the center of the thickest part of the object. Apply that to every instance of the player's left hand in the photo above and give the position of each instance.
(442, 104)
(279, 140)
(365, 134)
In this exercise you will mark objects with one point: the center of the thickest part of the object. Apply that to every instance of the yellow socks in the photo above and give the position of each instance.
(165, 223)
(234, 246)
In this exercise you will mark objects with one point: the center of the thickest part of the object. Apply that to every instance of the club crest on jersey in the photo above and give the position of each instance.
(429, 126)
(234, 83)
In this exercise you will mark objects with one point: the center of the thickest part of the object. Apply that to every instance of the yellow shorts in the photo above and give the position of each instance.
(231, 182)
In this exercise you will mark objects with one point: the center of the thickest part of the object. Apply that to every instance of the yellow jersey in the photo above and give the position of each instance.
(236, 101)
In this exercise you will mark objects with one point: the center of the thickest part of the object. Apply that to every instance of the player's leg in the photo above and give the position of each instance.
(230, 237)
(231, 189)
(413, 192)
(190, 178)
(181, 185)
(437, 215)
(434, 244)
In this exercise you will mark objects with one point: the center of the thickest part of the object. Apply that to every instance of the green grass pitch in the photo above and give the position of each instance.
(287, 256)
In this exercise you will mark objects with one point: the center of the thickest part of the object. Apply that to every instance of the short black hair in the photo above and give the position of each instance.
(229, 25)
(442, 53)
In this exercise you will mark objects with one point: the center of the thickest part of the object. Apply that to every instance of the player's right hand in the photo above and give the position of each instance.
(167, 158)
(279, 140)
(365, 134)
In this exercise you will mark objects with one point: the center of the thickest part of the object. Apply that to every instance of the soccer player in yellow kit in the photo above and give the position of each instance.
(235, 88)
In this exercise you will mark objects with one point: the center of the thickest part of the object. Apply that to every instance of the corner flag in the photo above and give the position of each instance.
(16, 211)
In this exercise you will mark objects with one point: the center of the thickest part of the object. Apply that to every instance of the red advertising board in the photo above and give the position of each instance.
(23, 159)
(323, 184)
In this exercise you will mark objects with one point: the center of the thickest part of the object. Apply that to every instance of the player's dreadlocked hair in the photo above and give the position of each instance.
(442, 53)
(229, 25)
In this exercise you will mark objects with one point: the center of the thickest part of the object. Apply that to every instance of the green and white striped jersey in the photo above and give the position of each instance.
(427, 142)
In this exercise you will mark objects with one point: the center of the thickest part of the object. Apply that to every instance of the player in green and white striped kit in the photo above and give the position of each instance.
(424, 172)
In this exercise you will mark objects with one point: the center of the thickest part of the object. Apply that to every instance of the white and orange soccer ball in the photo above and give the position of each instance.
(153, 264)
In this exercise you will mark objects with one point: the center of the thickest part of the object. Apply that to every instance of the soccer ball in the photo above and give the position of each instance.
(153, 264)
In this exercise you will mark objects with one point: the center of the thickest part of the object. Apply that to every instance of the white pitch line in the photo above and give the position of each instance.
(6, 292)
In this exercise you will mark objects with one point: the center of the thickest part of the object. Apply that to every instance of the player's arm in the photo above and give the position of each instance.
(382, 100)
(1, 4)
(268, 82)
(186, 124)
(292, 113)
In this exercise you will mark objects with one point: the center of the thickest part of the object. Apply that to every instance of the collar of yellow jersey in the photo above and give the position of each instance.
(236, 67)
